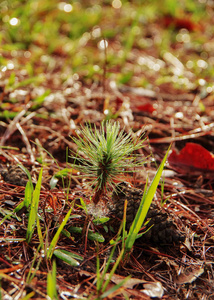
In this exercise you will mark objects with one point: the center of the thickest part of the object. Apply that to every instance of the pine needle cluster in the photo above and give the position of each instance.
(108, 153)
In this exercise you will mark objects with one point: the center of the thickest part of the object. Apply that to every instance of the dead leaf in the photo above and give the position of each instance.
(152, 289)
(146, 108)
(188, 276)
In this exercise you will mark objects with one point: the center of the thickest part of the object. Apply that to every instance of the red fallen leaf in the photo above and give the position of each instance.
(146, 107)
(180, 23)
(119, 101)
(3, 159)
(192, 156)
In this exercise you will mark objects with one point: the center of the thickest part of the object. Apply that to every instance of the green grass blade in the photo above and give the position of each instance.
(99, 282)
(110, 258)
(51, 283)
(37, 102)
(113, 270)
(37, 257)
(144, 207)
(28, 175)
(139, 212)
(124, 232)
(33, 270)
(56, 237)
(39, 231)
(28, 296)
(34, 208)
(100, 279)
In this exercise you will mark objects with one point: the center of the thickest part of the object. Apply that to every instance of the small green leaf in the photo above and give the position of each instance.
(68, 257)
(75, 216)
(75, 229)
(102, 220)
(63, 173)
(93, 236)
(60, 174)
(28, 194)
(19, 206)
(83, 205)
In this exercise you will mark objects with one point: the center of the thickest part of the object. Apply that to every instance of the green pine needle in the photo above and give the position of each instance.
(106, 154)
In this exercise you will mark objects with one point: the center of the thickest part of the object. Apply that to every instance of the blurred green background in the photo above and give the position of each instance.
(148, 43)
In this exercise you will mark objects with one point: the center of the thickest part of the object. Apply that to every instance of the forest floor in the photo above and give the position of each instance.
(148, 66)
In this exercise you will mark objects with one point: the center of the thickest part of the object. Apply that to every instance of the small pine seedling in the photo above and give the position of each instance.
(107, 154)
